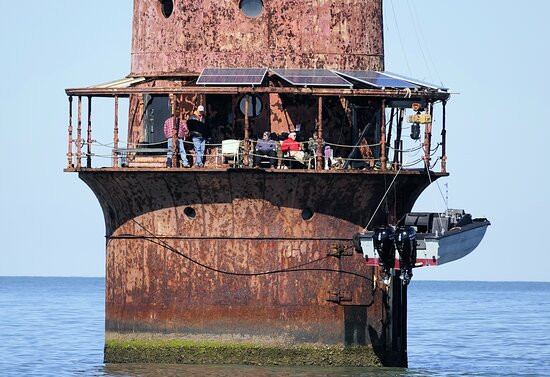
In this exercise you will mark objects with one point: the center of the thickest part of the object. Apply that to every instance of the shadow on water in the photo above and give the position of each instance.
(172, 370)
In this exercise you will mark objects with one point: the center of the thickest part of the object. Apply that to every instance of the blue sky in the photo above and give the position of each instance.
(494, 54)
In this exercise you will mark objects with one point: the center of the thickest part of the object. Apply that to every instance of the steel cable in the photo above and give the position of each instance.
(156, 240)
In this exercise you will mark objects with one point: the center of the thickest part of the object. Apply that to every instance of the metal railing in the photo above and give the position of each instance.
(122, 155)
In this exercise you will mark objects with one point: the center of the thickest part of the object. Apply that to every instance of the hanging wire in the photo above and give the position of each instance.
(415, 27)
(297, 268)
(400, 40)
(434, 66)
(383, 197)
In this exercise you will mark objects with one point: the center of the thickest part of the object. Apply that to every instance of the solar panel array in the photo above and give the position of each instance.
(378, 79)
(311, 77)
(232, 76)
(415, 81)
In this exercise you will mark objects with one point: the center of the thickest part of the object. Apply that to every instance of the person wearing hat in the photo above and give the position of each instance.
(265, 147)
(291, 146)
(199, 133)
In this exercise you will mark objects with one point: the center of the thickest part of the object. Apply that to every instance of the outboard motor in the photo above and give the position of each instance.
(384, 243)
(415, 131)
(405, 240)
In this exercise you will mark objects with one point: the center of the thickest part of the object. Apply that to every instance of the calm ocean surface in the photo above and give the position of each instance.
(54, 327)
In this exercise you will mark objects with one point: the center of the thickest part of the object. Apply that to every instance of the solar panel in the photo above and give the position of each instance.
(414, 81)
(311, 77)
(233, 76)
(377, 79)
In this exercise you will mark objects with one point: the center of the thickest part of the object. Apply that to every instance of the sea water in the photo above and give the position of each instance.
(55, 327)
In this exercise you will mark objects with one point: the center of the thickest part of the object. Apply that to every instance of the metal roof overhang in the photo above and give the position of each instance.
(117, 90)
(124, 83)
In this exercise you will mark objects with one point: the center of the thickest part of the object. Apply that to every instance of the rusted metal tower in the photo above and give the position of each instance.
(251, 265)
(183, 37)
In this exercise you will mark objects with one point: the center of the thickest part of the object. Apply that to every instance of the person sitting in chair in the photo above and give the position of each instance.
(293, 147)
(265, 147)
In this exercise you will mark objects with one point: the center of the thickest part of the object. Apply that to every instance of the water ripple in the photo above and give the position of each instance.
(55, 327)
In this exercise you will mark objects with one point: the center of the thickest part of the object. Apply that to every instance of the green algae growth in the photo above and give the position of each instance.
(195, 352)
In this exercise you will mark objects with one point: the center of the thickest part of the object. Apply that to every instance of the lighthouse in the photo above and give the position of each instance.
(240, 261)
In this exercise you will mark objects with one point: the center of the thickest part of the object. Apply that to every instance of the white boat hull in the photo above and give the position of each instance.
(434, 250)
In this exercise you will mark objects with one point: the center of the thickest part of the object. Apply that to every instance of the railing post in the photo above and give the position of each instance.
(140, 137)
(428, 138)
(397, 142)
(444, 143)
(89, 138)
(388, 140)
(401, 152)
(79, 135)
(246, 158)
(70, 145)
(319, 157)
(174, 132)
(383, 136)
(115, 136)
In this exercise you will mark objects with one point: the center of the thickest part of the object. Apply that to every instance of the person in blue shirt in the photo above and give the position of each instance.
(265, 147)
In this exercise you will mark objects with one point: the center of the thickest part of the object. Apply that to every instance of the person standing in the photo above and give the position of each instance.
(199, 133)
(265, 147)
(183, 133)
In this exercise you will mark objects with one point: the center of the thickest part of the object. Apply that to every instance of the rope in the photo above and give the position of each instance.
(352, 146)
(217, 153)
(415, 27)
(383, 197)
(423, 38)
(430, 179)
(140, 145)
(400, 40)
(412, 163)
(406, 150)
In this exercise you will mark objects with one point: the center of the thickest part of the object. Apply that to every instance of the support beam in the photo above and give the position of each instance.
(444, 143)
(397, 149)
(89, 135)
(383, 136)
(79, 135)
(396, 321)
(115, 135)
(428, 138)
(174, 131)
(140, 127)
(388, 140)
(246, 158)
(337, 92)
(319, 152)
(70, 144)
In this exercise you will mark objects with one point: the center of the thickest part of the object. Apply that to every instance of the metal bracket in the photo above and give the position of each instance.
(339, 250)
(339, 296)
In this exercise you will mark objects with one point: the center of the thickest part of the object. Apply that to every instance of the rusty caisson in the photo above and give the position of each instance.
(240, 261)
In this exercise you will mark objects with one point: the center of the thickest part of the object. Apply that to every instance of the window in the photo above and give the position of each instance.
(251, 8)
(166, 7)
(307, 214)
(190, 212)
(254, 106)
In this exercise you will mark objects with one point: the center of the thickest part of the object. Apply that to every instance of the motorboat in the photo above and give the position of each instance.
(422, 239)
